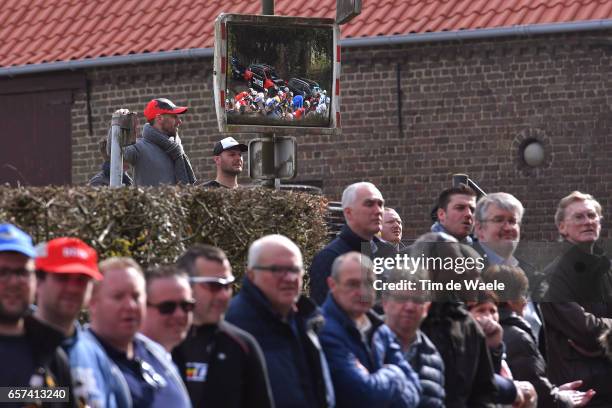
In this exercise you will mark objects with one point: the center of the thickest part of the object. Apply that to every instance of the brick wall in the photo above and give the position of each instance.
(466, 107)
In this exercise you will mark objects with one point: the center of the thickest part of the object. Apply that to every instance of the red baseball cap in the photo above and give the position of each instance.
(68, 255)
(162, 105)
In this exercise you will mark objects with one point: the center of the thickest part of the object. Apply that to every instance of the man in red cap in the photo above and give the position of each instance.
(158, 156)
(65, 269)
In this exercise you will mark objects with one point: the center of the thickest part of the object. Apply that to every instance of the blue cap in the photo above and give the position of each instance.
(15, 240)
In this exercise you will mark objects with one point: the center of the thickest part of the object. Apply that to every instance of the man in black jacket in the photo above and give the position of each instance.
(362, 205)
(469, 376)
(285, 324)
(29, 349)
(498, 228)
(222, 365)
(578, 303)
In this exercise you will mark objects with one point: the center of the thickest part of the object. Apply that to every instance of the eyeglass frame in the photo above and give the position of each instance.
(214, 283)
(279, 270)
(20, 273)
(187, 306)
(511, 222)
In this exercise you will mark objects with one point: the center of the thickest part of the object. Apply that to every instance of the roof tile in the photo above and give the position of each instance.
(35, 31)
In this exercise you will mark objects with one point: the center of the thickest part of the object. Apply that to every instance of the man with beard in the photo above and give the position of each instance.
(65, 268)
(117, 307)
(228, 160)
(221, 364)
(158, 156)
(169, 306)
(366, 363)
(285, 324)
(28, 348)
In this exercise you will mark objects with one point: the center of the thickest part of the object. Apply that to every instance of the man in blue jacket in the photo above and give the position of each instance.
(367, 365)
(285, 324)
(65, 269)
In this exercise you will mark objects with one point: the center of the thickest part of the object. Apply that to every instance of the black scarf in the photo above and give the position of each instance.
(174, 149)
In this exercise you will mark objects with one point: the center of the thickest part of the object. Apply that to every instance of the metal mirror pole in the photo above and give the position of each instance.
(267, 148)
(116, 156)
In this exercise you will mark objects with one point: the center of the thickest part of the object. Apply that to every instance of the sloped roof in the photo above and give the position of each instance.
(42, 31)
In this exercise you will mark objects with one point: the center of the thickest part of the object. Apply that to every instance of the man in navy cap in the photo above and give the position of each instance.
(228, 160)
(28, 348)
(158, 156)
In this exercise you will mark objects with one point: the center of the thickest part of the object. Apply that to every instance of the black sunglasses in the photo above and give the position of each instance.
(170, 306)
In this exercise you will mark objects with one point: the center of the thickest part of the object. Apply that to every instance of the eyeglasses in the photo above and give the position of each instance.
(19, 273)
(214, 284)
(278, 269)
(501, 221)
(170, 306)
(148, 373)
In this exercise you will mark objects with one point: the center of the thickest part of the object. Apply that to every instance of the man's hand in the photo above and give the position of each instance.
(528, 395)
(569, 392)
(492, 330)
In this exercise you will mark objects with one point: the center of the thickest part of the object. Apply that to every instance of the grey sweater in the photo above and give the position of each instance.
(152, 166)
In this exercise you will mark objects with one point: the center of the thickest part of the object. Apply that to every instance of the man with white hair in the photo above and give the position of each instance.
(363, 206)
(498, 219)
(392, 228)
(366, 362)
(577, 306)
(285, 324)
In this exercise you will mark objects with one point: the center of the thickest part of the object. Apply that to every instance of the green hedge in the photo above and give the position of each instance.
(155, 225)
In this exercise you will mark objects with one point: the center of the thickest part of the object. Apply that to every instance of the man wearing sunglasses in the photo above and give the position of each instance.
(29, 350)
(65, 271)
(221, 364)
(169, 306)
(158, 156)
(117, 306)
(271, 307)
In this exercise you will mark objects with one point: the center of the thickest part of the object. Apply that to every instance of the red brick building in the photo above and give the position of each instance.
(428, 89)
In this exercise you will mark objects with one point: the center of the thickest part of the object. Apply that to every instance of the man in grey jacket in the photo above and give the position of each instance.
(158, 156)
